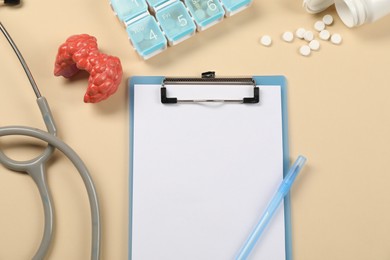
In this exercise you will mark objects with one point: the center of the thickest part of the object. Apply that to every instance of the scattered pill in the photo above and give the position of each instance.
(300, 32)
(305, 50)
(308, 36)
(288, 36)
(200, 14)
(327, 19)
(314, 45)
(324, 35)
(336, 38)
(266, 40)
(319, 26)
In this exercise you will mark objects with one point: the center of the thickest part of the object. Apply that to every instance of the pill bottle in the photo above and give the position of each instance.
(358, 12)
(352, 12)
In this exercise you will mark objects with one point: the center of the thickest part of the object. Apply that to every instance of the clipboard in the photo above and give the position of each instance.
(206, 155)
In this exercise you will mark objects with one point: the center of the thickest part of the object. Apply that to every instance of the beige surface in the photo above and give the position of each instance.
(338, 117)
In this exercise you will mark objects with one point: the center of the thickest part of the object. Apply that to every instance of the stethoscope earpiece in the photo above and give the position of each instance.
(11, 2)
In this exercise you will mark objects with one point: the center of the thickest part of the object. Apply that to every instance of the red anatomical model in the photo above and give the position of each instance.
(80, 52)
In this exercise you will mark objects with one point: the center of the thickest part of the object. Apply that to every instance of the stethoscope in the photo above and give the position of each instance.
(36, 167)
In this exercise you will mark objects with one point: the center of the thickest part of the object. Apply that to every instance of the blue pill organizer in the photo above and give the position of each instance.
(154, 25)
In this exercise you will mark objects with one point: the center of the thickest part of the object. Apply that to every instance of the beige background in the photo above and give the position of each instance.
(338, 118)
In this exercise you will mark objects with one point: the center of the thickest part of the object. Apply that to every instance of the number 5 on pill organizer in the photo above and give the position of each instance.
(153, 25)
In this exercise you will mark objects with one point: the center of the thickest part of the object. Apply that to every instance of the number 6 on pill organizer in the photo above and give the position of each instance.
(153, 25)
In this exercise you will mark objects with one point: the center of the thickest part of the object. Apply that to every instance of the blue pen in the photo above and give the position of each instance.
(282, 191)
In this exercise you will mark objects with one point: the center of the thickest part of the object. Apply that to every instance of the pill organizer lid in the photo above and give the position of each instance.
(316, 6)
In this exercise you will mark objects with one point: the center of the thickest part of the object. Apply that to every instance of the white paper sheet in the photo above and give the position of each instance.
(203, 174)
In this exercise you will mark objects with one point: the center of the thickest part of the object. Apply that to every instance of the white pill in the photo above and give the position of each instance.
(305, 50)
(319, 26)
(324, 35)
(314, 45)
(266, 40)
(327, 19)
(288, 36)
(308, 36)
(336, 38)
(199, 14)
(300, 33)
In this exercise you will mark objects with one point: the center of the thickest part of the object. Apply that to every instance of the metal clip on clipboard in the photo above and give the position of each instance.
(209, 78)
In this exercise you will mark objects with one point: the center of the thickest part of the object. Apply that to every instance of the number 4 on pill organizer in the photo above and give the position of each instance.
(152, 25)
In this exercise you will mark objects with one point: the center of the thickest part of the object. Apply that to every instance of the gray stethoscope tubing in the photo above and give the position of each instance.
(37, 172)
(36, 167)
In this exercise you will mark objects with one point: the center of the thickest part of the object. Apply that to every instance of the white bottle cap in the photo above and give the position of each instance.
(316, 6)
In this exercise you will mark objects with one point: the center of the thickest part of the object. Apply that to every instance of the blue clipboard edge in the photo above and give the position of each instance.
(260, 80)
(281, 81)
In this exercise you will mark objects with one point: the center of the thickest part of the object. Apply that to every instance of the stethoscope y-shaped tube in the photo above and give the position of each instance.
(36, 167)
(80, 166)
